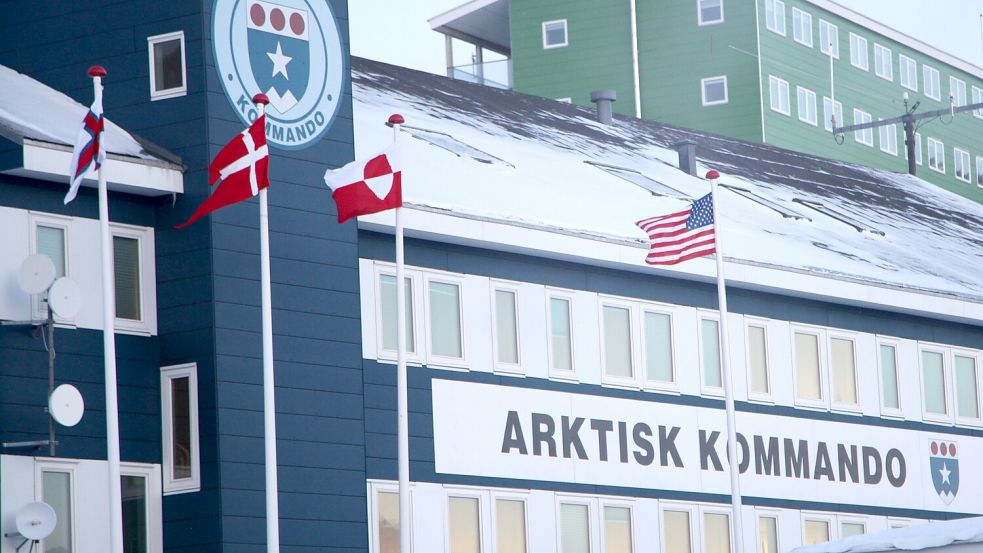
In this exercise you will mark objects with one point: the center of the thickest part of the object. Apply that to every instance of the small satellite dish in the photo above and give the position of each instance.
(36, 273)
(36, 521)
(66, 405)
(65, 298)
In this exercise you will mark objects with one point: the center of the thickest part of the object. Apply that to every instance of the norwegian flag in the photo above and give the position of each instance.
(370, 186)
(243, 167)
(682, 235)
(88, 153)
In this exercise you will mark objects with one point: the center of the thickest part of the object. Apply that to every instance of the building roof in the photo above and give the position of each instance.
(508, 171)
(920, 537)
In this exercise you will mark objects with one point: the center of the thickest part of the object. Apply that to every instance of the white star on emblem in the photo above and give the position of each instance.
(279, 61)
(945, 473)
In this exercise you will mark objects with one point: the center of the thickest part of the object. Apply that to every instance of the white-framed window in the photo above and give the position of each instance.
(133, 271)
(617, 530)
(759, 367)
(775, 16)
(710, 354)
(168, 74)
(386, 313)
(843, 371)
(935, 384)
(936, 155)
(677, 529)
(574, 526)
(918, 148)
(768, 536)
(960, 161)
(778, 93)
(908, 72)
(883, 62)
(978, 99)
(617, 341)
(384, 513)
(690, 528)
(505, 327)
(864, 136)
(56, 485)
(957, 91)
(832, 113)
(810, 379)
(930, 82)
(50, 236)
(979, 171)
(559, 320)
(464, 523)
(816, 529)
(966, 377)
(140, 489)
(179, 428)
(858, 52)
(887, 135)
(444, 320)
(710, 12)
(509, 522)
(802, 27)
(850, 528)
(555, 34)
(657, 348)
(821, 357)
(951, 387)
(890, 383)
(713, 90)
(716, 530)
(829, 39)
(806, 105)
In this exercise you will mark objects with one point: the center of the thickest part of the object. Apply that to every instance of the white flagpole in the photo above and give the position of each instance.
(109, 342)
(402, 406)
(269, 403)
(735, 488)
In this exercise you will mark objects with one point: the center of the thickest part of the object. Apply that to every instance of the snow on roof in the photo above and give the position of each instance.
(54, 117)
(932, 242)
(912, 538)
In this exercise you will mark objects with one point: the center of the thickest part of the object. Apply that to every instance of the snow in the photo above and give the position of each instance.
(913, 538)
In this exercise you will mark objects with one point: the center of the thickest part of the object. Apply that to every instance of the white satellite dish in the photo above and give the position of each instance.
(66, 405)
(36, 521)
(37, 272)
(65, 298)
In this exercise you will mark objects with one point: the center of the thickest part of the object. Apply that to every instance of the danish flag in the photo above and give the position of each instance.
(242, 165)
(370, 186)
(88, 153)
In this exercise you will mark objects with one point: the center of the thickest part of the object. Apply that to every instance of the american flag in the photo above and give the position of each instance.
(683, 235)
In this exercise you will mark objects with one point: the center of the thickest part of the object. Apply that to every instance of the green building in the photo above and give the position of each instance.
(773, 71)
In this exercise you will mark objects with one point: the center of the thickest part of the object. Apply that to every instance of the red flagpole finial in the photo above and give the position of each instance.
(395, 119)
(97, 71)
(712, 175)
(261, 99)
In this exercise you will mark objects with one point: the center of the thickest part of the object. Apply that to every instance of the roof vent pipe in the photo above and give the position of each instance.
(687, 156)
(604, 100)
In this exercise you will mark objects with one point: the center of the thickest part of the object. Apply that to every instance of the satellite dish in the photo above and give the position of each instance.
(36, 521)
(65, 298)
(66, 405)
(36, 273)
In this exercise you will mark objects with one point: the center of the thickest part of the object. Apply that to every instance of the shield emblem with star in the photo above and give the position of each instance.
(944, 465)
(279, 52)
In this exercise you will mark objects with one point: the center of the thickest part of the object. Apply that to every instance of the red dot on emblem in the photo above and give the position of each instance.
(257, 14)
(935, 448)
(952, 449)
(945, 449)
(277, 19)
(297, 23)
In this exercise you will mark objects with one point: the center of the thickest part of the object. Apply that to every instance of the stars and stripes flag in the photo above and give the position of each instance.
(88, 153)
(682, 235)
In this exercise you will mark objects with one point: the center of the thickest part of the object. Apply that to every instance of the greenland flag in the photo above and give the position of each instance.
(367, 186)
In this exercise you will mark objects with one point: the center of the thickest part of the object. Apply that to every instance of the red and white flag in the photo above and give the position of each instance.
(367, 186)
(88, 153)
(682, 235)
(243, 167)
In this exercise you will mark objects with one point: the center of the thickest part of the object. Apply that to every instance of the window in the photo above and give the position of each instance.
(957, 91)
(967, 387)
(930, 82)
(757, 354)
(617, 343)
(676, 532)
(807, 105)
(848, 529)
(714, 90)
(716, 532)
(978, 99)
(447, 142)
(444, 321)
(655, 187)
(777, 207)
(510, 526)
(710, 348)
(936, 155)
(808, 377)
(56, 481)
(883, 62)
(574, 528)
(506, 327)
(887, 355)
(842, 216)
(49, 237)
(775, 16)
(887, 135)
(659, 366)
(865, 136)
(829, 39)
(816, 531)
(918, 149)
(142, 521)
(858, 52)
(126, 256)
(843, 364)
(710, 11)
(387, 522)
(555, 34)
(934, 383)
(768, 534)
(979, 171)
(778, 89)
(168, 75)
(561, 339)
(908, 72)
(802, 27)
(832, 114)
(387, 311)
(950, 384)
(179, 420)
(617, 530)
(961, 163)
(464, 524)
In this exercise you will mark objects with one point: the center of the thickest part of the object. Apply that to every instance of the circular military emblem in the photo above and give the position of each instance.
(291, 51)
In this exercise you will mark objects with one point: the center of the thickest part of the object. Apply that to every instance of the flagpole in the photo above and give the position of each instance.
(402, 406)
(269, 403)
(109, 343)
(735, 488)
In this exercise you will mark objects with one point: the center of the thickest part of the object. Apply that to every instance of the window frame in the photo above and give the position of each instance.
(918, 149)
(700, 22)
(949, 416)
(509, 495)
(821, 352)
(593, 532)
(886, 71)
(977, 98)
(864, 117)
(555, 373)
(415, 277)
(777, 25)
(152, 475)
(841, 520)
(566, 34)
(513, 288)
(374, 488)
(935, 81)
(170, 485)
(168, 92)
(977, 358)
(889, 412)
(703, 90)
(803, 28)
(979, 171)
(782, 86)
(693, 512)
(768, 397)
(809, 516)
(799, 92)
(466, 493)
(433, 359)
(703, 510)
(633, 347)
(39, 219)
(145, 239)
(855, 53)
(958, 154)
(882, 131)
(705, 389)
(824, 47)
(957, 91)
(777, 517)
(64, 466)
(833, 104)
(834, 405)
(647, 383)
(911, 63)
(604, 502)
(940, 149)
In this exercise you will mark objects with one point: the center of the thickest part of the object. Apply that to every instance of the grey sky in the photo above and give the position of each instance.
(396, 31)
